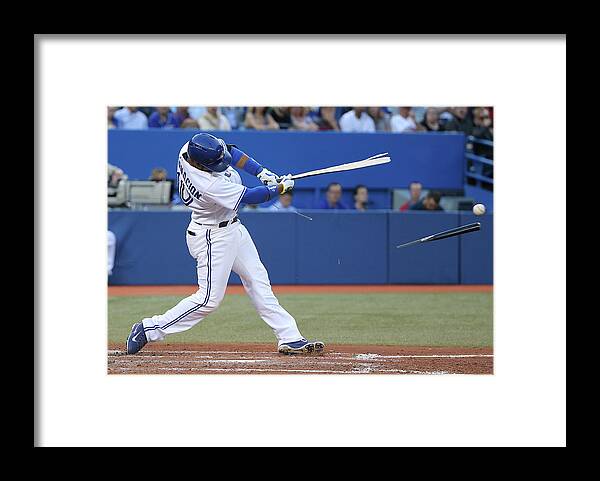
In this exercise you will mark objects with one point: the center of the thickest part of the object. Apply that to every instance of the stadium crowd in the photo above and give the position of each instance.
(475, 121)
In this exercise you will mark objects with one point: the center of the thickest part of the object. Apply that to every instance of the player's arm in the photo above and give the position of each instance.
(230, 195)
(264, 193)
(243, 161)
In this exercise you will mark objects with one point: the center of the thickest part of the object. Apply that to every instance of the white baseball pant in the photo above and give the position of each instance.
(112, 248)
(218, 251)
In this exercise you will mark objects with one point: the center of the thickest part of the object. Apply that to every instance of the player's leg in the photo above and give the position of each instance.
(255, 280)
(215, 251)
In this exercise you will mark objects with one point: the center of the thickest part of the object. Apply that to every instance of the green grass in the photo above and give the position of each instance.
(425, 319)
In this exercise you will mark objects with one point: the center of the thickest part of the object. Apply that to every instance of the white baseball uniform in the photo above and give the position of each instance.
(112, 248)
(214, 197)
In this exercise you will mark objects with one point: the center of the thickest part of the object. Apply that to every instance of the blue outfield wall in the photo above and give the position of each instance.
(334, 248)
(477, 251)
(430, 263)
(435, 159)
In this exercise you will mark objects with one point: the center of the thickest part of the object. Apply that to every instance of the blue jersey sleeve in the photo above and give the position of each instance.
(260, 194)
(245, 162)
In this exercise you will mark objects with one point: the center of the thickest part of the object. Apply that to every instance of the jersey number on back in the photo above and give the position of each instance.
(184, 195)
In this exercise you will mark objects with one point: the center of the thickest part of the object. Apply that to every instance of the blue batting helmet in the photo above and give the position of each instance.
(209, 151)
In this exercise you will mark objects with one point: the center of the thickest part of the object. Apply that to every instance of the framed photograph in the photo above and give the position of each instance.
(254, 235)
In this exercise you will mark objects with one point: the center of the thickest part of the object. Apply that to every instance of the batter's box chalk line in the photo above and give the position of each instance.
(369, 357)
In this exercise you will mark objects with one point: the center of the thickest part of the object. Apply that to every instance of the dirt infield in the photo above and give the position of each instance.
(118, 291)
(170, 358)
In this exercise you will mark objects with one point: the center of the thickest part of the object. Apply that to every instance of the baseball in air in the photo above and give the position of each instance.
(479, 209)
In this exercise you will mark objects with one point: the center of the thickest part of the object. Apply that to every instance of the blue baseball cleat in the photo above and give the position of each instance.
(136, 339)
(301, 347)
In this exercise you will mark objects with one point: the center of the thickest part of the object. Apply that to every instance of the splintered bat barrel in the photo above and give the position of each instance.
(463, 229)
(359, 164)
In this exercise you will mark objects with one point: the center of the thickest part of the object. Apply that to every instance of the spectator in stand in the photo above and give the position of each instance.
(445, 115)
(258, 118)
(418, 114)
(235, 115)
(357, 120)
(381, 119)
(116, 186)
(111, 117)
(415, 188)
(333, 197)
(301, 119)
(284, 203)
(159, 174)
(146, 111)
(403, 121)
(213, 119)
(461, 121)
(115, 175)
(189, 123)
(483, 129)
(482, 124)
(327, 120)
(196, 112)
(431, 121)
(282, 116)
(181, 118)
(361, 197)
(431, 202)
(131, 118)
(161, 118)
(313, 114)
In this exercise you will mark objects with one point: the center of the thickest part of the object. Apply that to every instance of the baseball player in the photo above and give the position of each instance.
(213, 190)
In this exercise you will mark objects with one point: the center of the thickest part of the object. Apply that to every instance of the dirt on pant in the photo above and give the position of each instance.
(176, 358)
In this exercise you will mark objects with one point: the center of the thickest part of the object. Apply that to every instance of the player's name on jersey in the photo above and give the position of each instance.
(188, 183)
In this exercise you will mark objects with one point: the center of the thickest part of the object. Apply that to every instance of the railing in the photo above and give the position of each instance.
(479, 162)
